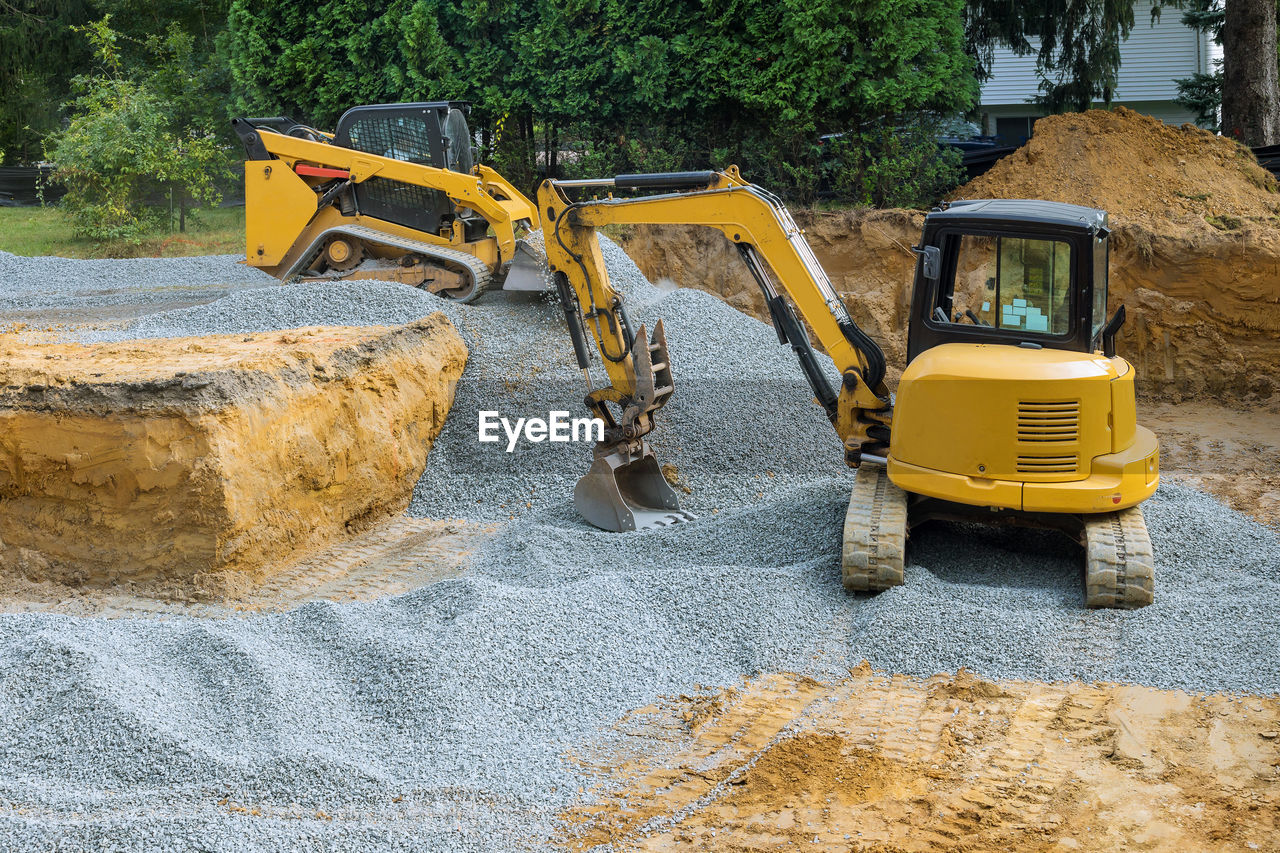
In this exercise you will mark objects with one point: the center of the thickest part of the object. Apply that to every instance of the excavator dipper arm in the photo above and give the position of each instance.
(638, 367)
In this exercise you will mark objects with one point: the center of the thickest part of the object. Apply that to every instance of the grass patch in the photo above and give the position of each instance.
(33, 231)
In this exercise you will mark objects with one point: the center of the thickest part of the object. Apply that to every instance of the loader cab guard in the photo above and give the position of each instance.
(433, 133)
(1014, 272)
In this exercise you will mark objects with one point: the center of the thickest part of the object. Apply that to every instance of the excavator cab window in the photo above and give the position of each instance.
(1012, 271)
(1015, 283)
(1101, 257)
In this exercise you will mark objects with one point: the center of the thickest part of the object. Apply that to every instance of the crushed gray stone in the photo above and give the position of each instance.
(440, 719)
(110, 292)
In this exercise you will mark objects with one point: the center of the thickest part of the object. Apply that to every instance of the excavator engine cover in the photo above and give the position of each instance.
(625, 490)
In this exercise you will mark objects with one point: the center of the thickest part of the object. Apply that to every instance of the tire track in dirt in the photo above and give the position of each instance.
(878, 762)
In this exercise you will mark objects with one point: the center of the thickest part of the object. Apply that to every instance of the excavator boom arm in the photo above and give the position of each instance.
(766, 235)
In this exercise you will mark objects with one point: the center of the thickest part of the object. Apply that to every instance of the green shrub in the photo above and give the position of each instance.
(122, 154)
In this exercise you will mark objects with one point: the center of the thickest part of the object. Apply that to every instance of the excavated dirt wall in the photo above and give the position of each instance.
(1203, 306)
(212, 459)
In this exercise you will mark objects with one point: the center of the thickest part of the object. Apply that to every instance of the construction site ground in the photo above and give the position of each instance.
(876, 762)
(727, 714)
(483, 671)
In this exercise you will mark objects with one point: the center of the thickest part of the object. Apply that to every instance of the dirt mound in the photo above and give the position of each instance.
(1137, 168)
(889, 763)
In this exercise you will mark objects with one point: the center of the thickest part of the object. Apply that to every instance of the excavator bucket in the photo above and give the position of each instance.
(528, 270)
(625, 490)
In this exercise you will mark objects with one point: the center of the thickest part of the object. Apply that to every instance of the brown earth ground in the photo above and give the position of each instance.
(953, 763)
(202, 474)
(1231, 453)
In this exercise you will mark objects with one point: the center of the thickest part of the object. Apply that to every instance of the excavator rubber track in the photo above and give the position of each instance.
(875, 532)
(1119, 564)
(482, 278)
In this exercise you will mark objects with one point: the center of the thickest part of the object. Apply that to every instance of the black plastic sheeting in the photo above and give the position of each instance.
(978, 160)
(19, 185)
(1269, 158)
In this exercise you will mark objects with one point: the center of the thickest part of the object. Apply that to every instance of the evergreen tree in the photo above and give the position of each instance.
(39, 54)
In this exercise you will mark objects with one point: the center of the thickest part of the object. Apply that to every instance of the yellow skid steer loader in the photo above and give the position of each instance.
(393, 193)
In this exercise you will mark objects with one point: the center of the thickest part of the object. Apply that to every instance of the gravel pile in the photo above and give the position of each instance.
(440, 719)
(66, 290)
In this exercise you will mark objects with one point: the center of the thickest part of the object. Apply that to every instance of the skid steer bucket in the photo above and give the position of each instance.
(625, 490)
(528, 270)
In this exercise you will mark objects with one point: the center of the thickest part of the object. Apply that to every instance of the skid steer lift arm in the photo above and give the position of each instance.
(625, 488)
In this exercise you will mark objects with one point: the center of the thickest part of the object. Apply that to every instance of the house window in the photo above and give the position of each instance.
(1013, 131)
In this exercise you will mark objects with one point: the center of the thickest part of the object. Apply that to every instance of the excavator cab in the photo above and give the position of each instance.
(1014, 272)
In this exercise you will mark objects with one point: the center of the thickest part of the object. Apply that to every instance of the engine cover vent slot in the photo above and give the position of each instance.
(1052, 422)
(1048, 464)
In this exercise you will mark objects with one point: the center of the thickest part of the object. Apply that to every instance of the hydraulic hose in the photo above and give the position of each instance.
(627, 341)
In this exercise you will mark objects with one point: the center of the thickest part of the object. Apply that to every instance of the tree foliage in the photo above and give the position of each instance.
(132, 140)
(39, 54)
(576, 85)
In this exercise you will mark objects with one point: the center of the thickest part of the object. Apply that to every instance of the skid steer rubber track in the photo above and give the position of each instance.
(875, 532)
(1119, 567)
(481, 276)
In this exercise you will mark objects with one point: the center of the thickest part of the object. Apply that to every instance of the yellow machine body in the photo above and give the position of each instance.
(281, 220)
(1038, 430)
(382, 186)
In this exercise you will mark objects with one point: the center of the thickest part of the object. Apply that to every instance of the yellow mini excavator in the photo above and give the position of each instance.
(1014, 407)
(393, 193)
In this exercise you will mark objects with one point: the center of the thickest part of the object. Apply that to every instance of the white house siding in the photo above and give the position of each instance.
(1151, 60)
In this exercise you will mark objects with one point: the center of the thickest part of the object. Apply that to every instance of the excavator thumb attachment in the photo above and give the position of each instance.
(625, 490)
